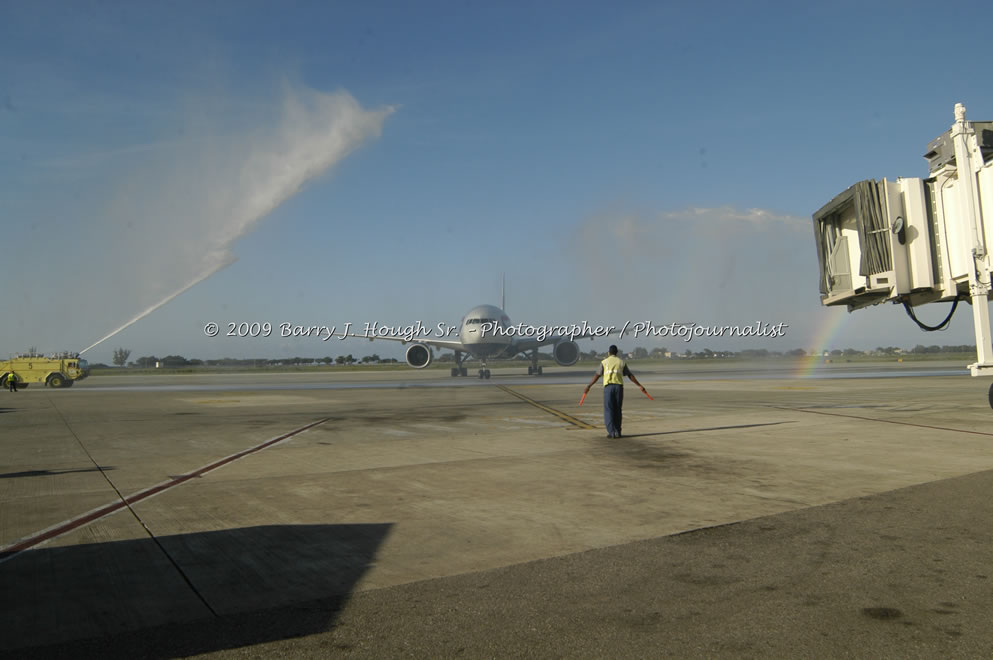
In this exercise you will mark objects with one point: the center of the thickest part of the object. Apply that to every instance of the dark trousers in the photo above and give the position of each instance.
(613, 399)
(12, 384)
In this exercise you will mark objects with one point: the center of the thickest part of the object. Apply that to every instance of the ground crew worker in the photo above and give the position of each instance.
(613, 369)
(12, 381)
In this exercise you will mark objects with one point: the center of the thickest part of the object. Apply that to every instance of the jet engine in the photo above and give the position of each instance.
(566, 353)
(418, 356)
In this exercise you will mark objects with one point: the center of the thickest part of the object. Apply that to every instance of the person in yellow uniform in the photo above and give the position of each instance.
(613, 369)
(12, 381)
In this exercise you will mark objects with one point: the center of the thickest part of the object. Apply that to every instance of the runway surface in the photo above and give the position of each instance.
(410, 514)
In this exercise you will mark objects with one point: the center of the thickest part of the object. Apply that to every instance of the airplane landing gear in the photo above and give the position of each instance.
(484, 372)
(534, 369)
(458, 369)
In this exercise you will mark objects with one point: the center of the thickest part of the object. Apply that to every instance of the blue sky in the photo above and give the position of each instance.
(651, 161)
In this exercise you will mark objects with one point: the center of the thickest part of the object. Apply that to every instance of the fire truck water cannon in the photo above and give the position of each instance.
(915, 241)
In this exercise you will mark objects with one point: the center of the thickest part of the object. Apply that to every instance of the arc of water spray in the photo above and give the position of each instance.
(229, 259)
(316, 131)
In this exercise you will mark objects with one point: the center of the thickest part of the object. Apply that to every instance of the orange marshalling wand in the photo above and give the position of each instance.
(584, 398)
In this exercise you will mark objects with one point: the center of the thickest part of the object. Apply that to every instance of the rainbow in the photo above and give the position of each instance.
(819, 342)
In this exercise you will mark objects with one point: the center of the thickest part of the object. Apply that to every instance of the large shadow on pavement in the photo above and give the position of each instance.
(182, 595)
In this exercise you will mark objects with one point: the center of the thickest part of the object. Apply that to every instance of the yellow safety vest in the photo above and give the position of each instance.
(613, 371)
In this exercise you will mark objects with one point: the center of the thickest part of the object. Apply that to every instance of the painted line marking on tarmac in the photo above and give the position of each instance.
(558, 413)
(885, 421)
(66, 526)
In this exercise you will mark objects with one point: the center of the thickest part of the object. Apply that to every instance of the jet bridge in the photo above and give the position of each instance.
(914, 241)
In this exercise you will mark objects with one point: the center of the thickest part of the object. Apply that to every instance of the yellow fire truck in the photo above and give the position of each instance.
(60, 370)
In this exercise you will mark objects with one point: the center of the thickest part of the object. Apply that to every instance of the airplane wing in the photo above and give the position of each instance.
(454, 345)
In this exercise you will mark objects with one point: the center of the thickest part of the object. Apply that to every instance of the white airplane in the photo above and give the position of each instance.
(483, 335)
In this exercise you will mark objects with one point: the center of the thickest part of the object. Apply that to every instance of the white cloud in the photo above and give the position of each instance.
(707, 265)
(730, 216)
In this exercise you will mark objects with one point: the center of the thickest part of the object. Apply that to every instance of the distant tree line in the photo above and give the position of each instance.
(638, 353)
(964, 348)
(174, 361)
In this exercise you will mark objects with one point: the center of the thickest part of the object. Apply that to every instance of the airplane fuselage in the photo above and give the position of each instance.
(480, 333)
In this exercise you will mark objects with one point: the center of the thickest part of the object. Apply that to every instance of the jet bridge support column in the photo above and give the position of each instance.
(979, 274)
(981, 322)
